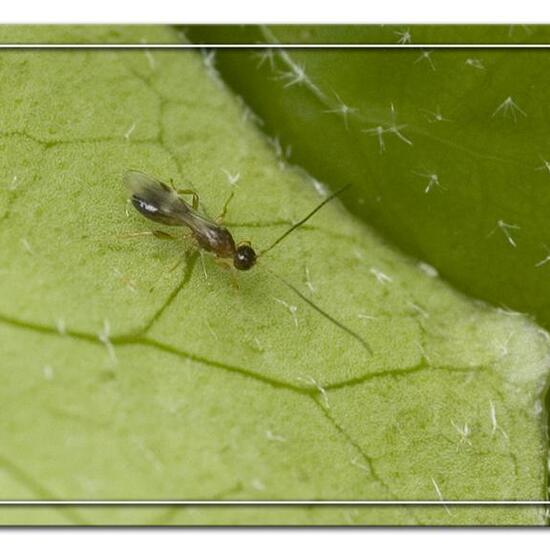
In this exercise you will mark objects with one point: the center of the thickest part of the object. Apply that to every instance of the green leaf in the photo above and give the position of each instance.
(446, 149)
(124, 378)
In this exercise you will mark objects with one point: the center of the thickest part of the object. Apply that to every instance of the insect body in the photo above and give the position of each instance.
(161, 203)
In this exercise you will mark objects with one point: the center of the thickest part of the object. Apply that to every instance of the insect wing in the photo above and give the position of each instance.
(156, 200)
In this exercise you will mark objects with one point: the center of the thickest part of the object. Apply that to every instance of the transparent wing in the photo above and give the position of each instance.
(160, 203)
(139, 182)
(156, 200)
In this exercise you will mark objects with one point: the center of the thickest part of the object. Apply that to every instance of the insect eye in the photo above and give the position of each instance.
(244, 258)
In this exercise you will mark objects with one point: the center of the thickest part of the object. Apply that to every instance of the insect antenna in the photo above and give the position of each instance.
(340, 325)
(304, 220)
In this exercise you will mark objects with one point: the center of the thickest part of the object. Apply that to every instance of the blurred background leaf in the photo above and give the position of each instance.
(448, 150)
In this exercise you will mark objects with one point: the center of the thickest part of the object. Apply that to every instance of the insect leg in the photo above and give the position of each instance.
(226, 264)
(154, 233)
(176, 265)
(235, 279)
(169, 270)
(195, 202)
(221, 217)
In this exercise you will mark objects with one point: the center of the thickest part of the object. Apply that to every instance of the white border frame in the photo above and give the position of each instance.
(290, 46)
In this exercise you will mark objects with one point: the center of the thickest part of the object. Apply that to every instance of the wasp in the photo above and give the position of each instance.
(163, 203)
